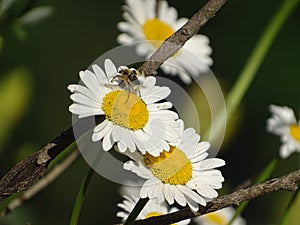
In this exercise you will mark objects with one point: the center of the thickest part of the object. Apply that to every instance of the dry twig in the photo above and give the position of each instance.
(287, 182)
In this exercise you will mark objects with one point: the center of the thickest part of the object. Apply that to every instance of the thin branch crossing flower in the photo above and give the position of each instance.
(148, 26)
(220, 217)
(133, 117)
(152, 208)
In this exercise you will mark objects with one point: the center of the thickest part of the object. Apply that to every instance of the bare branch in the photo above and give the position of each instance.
(28, 171)
(287, 182)
(42, 183)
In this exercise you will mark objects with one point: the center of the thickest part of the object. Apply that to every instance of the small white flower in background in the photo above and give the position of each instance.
(284, 124)
(183, 174)
(133, 119)
(220, 217)
(131, 197)
(150, 27)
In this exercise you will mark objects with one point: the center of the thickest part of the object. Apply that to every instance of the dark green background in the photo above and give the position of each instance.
(80, 31)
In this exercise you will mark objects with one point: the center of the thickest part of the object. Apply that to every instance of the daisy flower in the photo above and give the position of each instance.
(220, 217)
(132, 118)
(148, 26)
(184, 174)
(284, 124)
(152, 208)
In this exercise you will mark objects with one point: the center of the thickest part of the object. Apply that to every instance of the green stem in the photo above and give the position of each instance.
(289, 208)
(72, 147)
(136, 211)
(249, 71)
(264, 175)
(81, 196)
(258, 55)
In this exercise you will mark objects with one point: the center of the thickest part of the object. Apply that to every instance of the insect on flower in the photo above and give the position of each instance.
(128, 79)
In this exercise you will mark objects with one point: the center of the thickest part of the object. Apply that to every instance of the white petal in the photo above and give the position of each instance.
(88, 78)
(199, 157)
(159, 106)
(82, 90)
(99, 135)
(125, 38)
(139, 170)
(285, 151)
(110, 68)
(206, 191)
(84, 100)
(169, 196)
(101, 76)
(122, 147)
(190, 194)
(101, 126)
(209, 164)
(107, 141)
(148, 187)
(179, 197)
(82, 110)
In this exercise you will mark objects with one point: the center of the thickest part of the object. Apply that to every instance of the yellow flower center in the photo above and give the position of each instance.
(215, 218)
(171, 167)
(125, 109)
(155, 214)
(157, 30)
(295, 132)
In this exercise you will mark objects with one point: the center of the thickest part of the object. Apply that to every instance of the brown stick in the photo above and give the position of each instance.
(42, 183)
(287, 182)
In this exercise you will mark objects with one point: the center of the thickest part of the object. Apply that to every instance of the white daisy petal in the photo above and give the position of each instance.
(88, 78)
(124, 38)
(206, 191)
(209, 164)
(110, 68)
(83, 109)
(159, 106)
(99, 135)
(101, 76)
(101, 126)
(179, 197)
(84, 100)
(191, 194)
(107, 141)
(169, 196)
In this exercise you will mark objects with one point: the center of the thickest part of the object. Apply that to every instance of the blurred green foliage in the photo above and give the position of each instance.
(77, 33)
(15, 92)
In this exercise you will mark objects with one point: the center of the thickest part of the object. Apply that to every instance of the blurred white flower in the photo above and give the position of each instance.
(284, 124)
(148, 26)
(220, 217)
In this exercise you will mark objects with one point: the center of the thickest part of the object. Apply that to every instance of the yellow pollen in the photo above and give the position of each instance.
(295, 132)
(215, 218)
(157, 30)
(171, 167)
(151, 214)
(125, 109)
